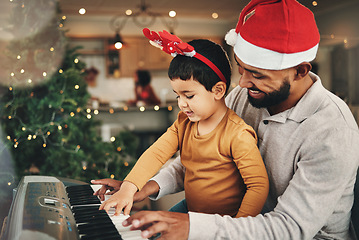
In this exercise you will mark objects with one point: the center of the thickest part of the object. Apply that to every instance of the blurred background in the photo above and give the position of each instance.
(72, 102)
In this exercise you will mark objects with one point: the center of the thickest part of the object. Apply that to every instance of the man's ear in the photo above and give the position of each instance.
(219, 90)
(303, 70)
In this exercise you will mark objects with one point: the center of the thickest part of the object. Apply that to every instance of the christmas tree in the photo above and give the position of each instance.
(47, 126)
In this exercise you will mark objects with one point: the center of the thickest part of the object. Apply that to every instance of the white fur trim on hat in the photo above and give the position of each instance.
(231, 37)
(267, 59)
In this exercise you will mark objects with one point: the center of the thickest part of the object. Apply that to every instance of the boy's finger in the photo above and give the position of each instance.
(127, 209)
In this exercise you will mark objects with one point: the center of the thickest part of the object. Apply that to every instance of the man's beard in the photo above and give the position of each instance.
(272, 98)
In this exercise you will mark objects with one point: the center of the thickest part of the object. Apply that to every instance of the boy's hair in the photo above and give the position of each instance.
(144, 77)
(184, 67)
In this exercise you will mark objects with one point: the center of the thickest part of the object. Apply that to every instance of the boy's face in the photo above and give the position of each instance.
(193, 99)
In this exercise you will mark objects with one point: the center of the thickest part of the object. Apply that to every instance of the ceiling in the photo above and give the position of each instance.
(227, 9)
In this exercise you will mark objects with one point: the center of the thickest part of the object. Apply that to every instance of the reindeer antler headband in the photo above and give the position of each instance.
(171, 44)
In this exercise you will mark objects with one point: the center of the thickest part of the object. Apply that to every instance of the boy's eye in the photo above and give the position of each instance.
(189, 97)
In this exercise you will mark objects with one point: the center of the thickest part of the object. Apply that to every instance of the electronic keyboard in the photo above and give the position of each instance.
(45, 208)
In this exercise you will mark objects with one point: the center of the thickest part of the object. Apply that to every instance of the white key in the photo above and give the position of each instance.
(125, 232)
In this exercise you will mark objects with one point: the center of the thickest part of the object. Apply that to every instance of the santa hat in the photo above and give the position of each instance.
(275, 34)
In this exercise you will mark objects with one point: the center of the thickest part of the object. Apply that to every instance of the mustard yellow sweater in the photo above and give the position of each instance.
(225, 173)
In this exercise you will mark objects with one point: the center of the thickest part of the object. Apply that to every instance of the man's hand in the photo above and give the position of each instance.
(171, 225)
(107, 184)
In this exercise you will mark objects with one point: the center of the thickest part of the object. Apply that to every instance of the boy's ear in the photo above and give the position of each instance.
(219, 89)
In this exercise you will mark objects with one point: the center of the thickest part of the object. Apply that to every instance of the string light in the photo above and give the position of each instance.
(156, 108)
(76, 60)
(172, 13)
(112, 139)
(142, 108)
(112, 176)
(95, 111)
(82, 11)
(88, 116)
(214, 15)
(77, 86)
(44, 74)
(52, 49)
(18, 57)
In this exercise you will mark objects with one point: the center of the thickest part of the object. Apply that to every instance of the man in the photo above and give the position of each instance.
(307, 136)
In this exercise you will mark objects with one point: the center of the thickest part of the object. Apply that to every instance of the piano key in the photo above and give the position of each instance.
(89, 214)
(125, 232)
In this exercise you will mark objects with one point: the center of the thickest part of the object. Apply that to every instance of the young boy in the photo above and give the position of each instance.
(225, 173)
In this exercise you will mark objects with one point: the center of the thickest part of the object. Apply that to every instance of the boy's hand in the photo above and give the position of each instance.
(121, 200)
(107, 184)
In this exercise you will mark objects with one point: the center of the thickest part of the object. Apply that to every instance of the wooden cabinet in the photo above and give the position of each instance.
(137, 53)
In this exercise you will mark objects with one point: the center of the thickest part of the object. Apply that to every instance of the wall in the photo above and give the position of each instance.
(334, 25)
(114, 90)
(84, 26)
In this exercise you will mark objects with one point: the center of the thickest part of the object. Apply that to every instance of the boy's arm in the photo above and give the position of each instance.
(154, 157)
(170, 179)
(250, 164)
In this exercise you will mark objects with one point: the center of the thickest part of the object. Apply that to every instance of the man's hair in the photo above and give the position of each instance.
(184, 67)
(144, 77)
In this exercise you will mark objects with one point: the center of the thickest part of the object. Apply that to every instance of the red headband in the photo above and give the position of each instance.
(171, 44)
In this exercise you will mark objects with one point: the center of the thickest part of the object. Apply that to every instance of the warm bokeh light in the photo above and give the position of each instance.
(82, 11)
(214, 15)
(128, 12)
(172, 13)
